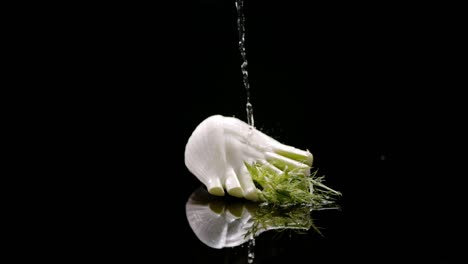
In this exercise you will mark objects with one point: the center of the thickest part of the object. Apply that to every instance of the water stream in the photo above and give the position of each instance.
(244, 65)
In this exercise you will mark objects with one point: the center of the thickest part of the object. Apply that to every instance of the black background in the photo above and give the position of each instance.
(366, 88)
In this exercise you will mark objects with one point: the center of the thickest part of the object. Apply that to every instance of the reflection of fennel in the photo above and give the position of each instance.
(221, 222)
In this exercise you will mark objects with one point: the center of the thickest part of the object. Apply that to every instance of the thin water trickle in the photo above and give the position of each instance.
(245, 73)
(250, 250)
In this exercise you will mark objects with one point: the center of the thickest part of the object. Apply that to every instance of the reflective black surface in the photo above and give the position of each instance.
(350, 85)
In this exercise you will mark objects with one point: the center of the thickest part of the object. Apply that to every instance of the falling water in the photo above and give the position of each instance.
(245, 73)
(250, 251)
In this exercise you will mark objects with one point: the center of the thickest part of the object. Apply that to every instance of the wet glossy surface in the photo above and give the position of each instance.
(350, 85)
(227, 222)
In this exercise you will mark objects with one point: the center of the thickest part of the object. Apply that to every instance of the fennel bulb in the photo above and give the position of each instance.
(228, 155)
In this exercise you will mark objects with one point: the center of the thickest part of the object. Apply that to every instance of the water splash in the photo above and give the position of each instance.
(245, 73)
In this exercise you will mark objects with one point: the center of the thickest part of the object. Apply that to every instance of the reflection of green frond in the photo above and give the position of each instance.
(268, 217)
(290, 186)
(210, 216)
